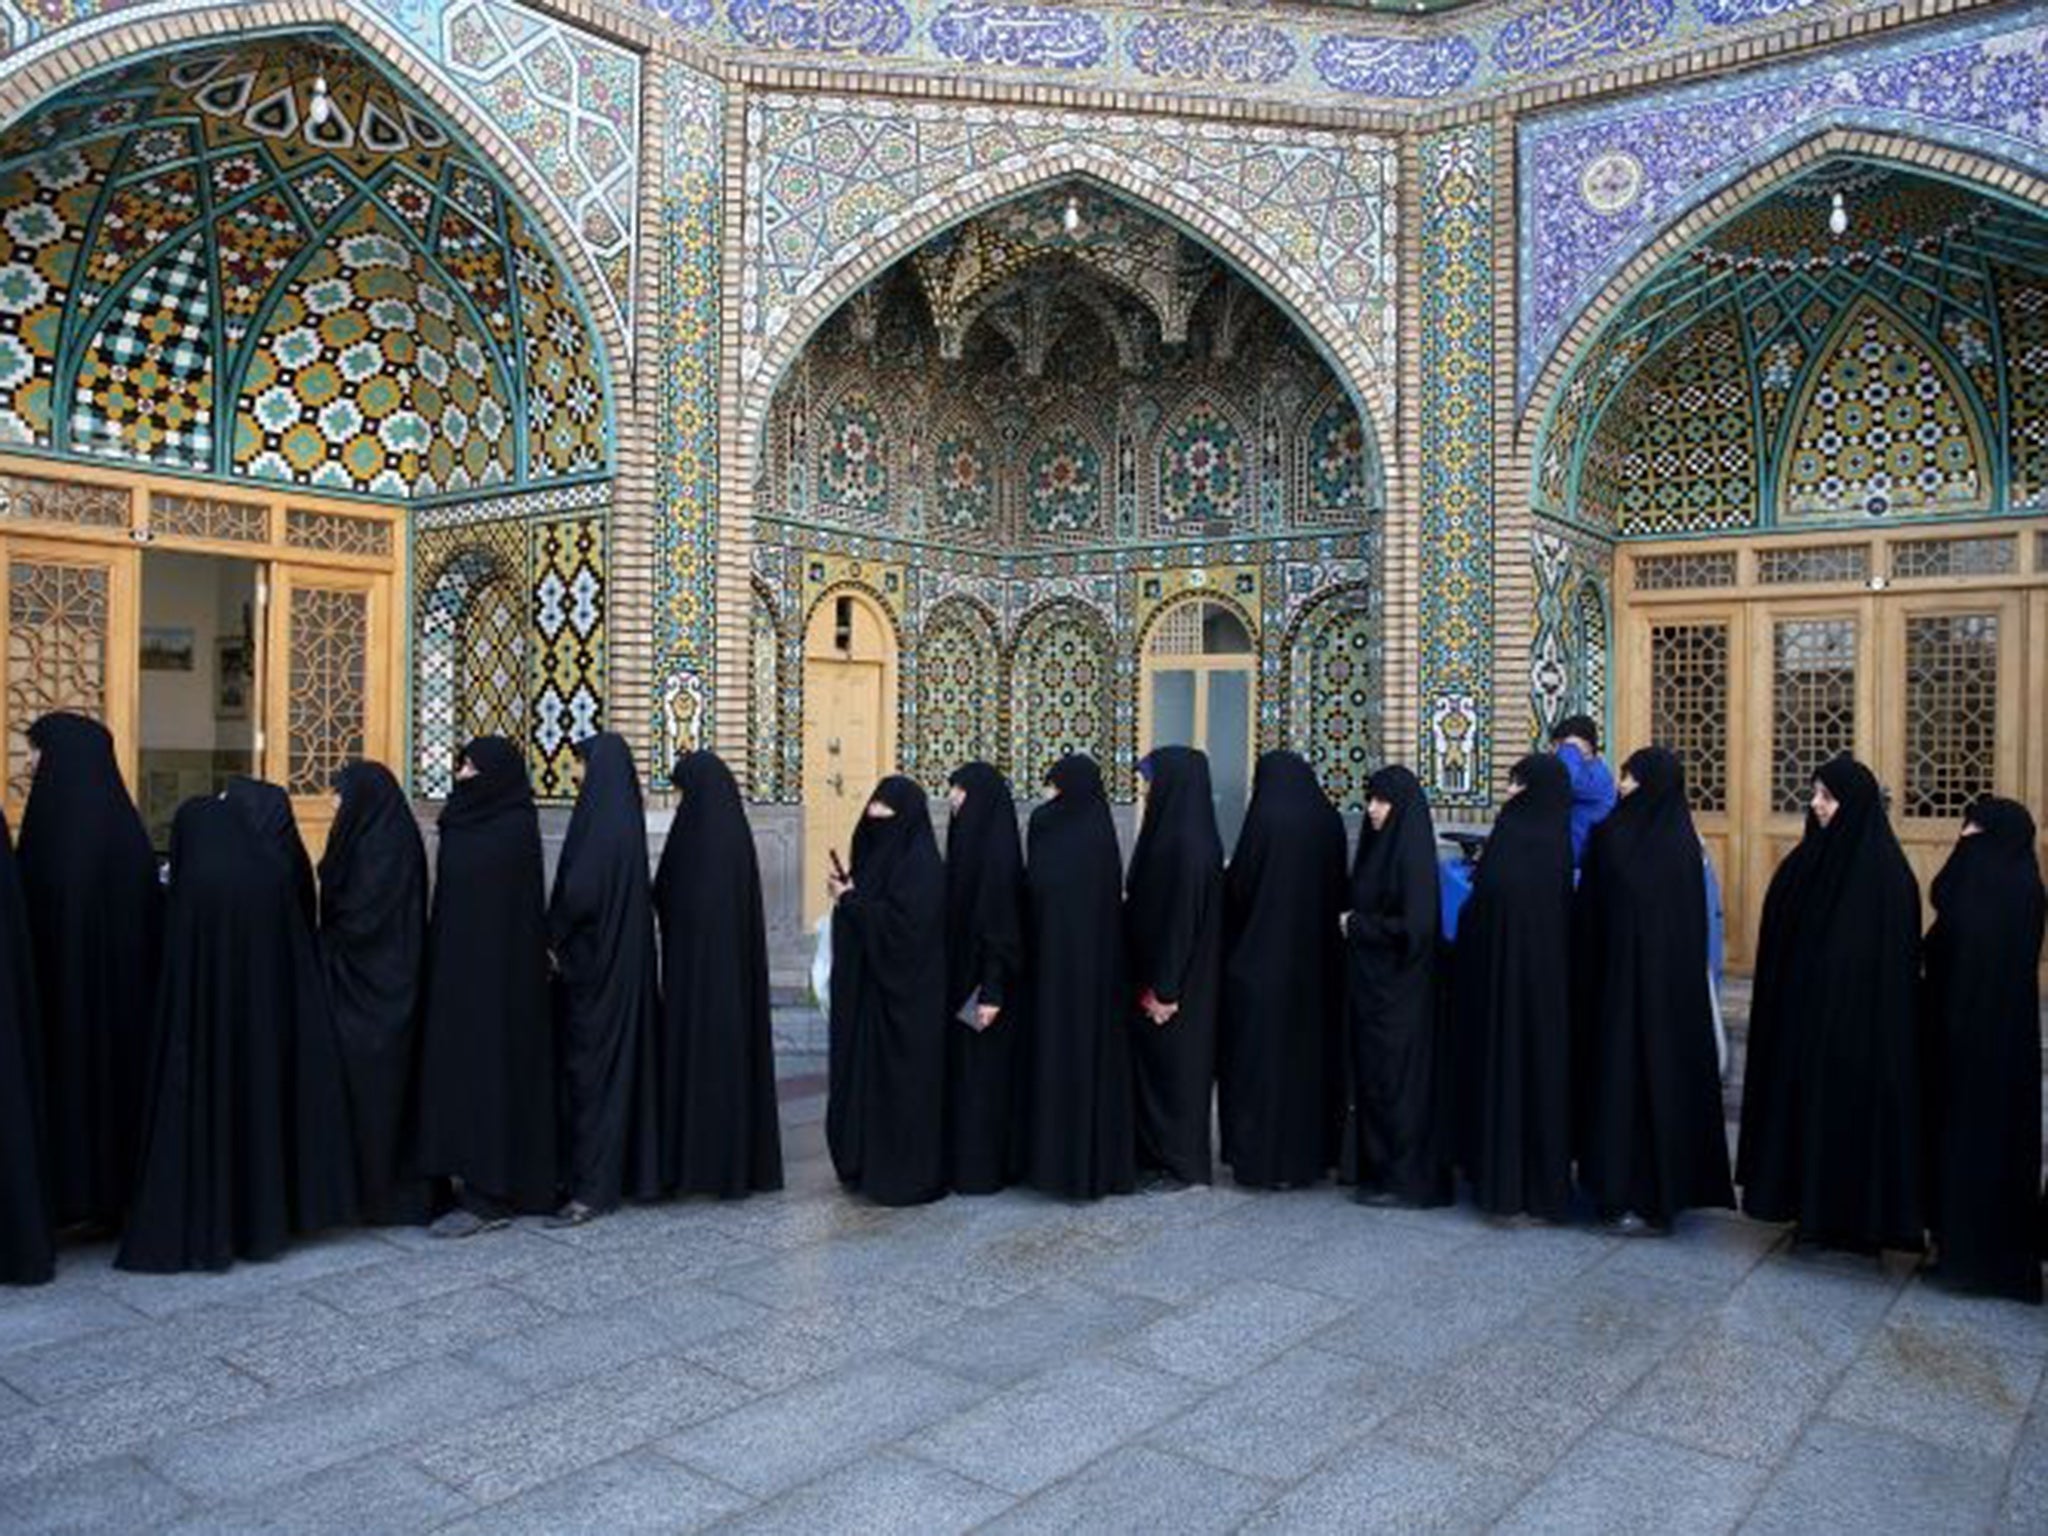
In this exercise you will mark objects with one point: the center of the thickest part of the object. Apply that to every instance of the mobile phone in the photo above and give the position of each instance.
(838, 869)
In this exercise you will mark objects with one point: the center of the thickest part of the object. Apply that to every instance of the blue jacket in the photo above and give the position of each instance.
(1716, 934)
(1592, 797)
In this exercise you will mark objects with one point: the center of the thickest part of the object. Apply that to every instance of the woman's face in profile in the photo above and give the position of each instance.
(1824, 804)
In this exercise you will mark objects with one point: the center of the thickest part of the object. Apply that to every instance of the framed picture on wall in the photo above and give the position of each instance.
(166, 649)
(231, 680)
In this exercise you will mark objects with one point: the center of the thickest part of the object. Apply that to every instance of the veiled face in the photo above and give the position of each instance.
(1971, 829)
(1377, 811)
(1626, 784)
(34, 756)
(955, 796)
(880, 810)
(1824, 803)
(464, 769)
(1515, 787)
(1052, 790)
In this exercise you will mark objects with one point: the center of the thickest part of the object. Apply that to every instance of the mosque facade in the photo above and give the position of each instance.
(857, 385)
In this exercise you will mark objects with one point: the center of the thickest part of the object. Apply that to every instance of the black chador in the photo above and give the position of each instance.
(1982, 1012)
(246, 1138)
(1078, 1138)
(1831, 1114)
(1400, 1061)
(487, 1089)
(1279, 1053)
(26, 1251)
(601, 930)
(1173, 921)
(717, 1046)
(95, 913)
(1652, 1135)
(373, 935)
(884, 1120)
(984, 957)
(1513, 1003)
(269, 810)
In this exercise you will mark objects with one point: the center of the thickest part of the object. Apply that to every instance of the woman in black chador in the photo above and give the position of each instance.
(719, 1132)
(269, 810)
(601, 932)
(1652, 1136)
(246, 1139)
(1400, 1066)
(1279, 1056)
(884, 1120)
(1982, 1012)
(95, 914)
(1078, 1138)
(1831, 1113)
(373, 936)
(26, 1251)
(984, 957)
(1173, 922)
(1513, 1003)
(487, 1087)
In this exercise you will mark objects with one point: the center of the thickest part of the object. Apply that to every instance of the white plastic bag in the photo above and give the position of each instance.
(821, 965)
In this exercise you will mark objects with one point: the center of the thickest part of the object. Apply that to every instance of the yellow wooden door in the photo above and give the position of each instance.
(69, 625)
(849, 729)
(326, 678)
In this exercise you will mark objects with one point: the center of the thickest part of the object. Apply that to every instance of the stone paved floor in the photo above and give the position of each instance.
(1202, 1361)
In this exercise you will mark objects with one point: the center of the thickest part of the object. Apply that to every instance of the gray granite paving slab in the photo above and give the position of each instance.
(125, 1418)
(1848, 1478)
(2004, 1325)
(1283, 1419)
(2026, 1483)
(315, 1259)
(148, 1347)
(560, 1349)
(819, 1273)
(1823, 1305)
(376, 1494)
(786, 1348)
(1183, 1263)
(889, 1495)
(1365, 1256)
(1235, 1329)
(545, 1437)
(340, 1349)
(1006, 1343)
(1040, 1430)
(442, 1266)
(1615, 1484)
(113, 1494)
(1375, 1487)
(54, 1313)
(1939, 1384)
(794, 1436)
(1708, 1248)
(320, 1429)
(1141, 1489)
(782, 1221)
(1731, 1394)
(586, 1281)
(640, 1491)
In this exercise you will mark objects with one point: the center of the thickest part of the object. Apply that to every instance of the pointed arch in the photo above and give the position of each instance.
(1202, 461)
(1062, 671)
(959, 682)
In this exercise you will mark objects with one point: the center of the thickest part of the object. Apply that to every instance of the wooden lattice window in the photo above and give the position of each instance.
(1813, 703)
(1951, 711)
(327, 709)
(57, 642)
(1689, 693)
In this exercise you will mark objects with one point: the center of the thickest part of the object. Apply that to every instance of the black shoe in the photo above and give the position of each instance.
(1160, 1182)
(574, 1214)
(1629, 1224)
(466, 1223)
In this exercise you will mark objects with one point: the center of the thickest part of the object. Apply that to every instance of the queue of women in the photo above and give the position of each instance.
(264, 1052)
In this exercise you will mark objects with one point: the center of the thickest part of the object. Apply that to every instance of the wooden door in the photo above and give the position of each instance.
(69, 623)
(325, 679)
(1952, 687)
(1812, 694)
(848, 731)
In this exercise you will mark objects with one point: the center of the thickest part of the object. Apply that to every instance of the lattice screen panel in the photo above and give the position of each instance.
(1813, 703)
(1951, 712)
(1689, 693)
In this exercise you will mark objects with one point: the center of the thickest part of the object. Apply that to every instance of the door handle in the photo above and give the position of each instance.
(832, 746)
(838, 783)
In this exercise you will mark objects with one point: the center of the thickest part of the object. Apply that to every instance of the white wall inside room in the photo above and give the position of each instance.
(205, 595)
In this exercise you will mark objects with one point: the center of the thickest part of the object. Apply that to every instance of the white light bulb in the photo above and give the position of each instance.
(1070, 216)
(322, 108)
(1838, 217)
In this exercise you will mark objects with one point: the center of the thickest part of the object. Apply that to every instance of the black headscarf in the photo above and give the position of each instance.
(1831, 1113)
(1280, 1058)
(269, 810)
(487, 1093)
(247, 1131)
(719, 1130)
(1981, 1014)
(1173, 922)
(1078, 1137)
(884, 1112)
(601, 929)
(984, 959)
(27, 1255)
(95, 912)
(1652, 1136)
(373, 934)
(1513, 1003)
(1400, 1071)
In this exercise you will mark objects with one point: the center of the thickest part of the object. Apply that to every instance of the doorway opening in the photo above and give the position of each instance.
(197, 658)
(1198, 692)
(849, 728)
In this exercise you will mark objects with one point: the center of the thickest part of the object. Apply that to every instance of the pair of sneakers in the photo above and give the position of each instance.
(464, 1222)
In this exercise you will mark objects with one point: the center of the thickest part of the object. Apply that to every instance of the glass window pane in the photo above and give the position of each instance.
(1229, 749)
(1173, 709)
(1223, 633)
